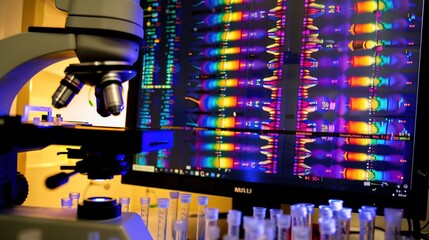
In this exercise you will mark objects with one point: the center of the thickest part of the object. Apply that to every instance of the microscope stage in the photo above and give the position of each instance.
(21, 222)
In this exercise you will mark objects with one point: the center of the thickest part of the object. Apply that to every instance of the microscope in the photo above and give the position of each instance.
(106, 36)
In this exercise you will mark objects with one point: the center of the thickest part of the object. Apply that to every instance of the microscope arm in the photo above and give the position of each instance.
(24, 55)
(106, 37)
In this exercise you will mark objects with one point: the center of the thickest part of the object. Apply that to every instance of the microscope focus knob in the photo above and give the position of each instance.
(22, 188)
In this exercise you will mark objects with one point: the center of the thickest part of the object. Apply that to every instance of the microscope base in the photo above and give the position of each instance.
(21, 222)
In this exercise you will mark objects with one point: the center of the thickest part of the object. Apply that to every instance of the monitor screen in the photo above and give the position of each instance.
(278, 102)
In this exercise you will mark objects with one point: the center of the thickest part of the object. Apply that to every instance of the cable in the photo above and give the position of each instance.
(380, 228)
(424, 226)
(357, 232)
(410, 228)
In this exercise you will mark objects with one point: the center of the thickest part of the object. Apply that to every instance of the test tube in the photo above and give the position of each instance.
(393, 218)
(274, 212)
(125, 204)
(213, 233)
(74, 196)
(259, 212)
(325, 211)
(283, 226)
(310, 211)
(174, 199)
(327, 228)
(66, 202)
(269, 229)
(163, 204)
(253, 228)
(211, 218)
(202, 205)
(365, 225)
(373, 211)
(246, 220)
(300, 229)
(344, 217)
(233, 219)
(180, 230)
(185, 202)
(336, 205)
(144, 209)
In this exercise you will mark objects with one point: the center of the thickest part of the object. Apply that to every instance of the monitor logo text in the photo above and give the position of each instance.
(242, 190)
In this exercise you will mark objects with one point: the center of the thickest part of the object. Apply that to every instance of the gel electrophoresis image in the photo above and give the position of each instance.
(311, 90)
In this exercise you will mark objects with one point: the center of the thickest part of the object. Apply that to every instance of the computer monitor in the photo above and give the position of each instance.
(280, 102)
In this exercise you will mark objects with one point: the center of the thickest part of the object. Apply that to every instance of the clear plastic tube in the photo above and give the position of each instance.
(299, 228)
(174, 203)
(327, 228)
(125, 204)
(211, 218)
(75, 198)
(201, 208)
(393, 218)
(269, 232)
(300, 233)
(180, 230)
(185, 202)
(163, 204)
(310, 211)
(144, 209)
(325, 211)
(274, 212)
(336, 205)
(234, 221)
(253, 228)
(213, 233)
(66, 203)
(283, 226)
(344, 217)
(365, 225)
(373, 211)
(259, 212)
(246, 220)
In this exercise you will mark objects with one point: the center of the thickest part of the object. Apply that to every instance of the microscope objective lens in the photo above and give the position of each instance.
(68, 88)
(112, 93)
(113, 98)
